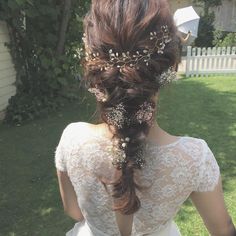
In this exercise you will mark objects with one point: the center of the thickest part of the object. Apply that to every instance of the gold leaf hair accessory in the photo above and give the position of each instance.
(120, 60)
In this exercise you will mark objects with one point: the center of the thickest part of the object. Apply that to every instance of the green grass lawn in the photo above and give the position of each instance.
(29, 198)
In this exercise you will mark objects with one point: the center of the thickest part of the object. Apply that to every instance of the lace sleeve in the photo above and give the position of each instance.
(60, 155)
(209, 172)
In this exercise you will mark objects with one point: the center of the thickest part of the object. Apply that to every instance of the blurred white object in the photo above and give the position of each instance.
(186, 19)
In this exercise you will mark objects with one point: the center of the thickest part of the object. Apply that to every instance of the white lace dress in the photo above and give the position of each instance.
(172, 173)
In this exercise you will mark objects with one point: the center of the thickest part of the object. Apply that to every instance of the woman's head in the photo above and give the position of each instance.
(125, 26)
(131, 46)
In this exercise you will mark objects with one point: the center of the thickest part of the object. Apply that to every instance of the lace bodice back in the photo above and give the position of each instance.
(172, 172)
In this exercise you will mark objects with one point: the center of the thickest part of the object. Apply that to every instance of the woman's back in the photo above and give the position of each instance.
(125, 183)
(171, 173)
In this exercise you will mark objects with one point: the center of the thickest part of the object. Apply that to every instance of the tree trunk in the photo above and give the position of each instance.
(64, 25)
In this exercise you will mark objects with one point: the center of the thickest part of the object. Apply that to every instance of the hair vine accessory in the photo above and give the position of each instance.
(120, 60)
(100, 96)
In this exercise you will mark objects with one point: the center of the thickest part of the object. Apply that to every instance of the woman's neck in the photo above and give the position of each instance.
(159, 136)
(156, 134)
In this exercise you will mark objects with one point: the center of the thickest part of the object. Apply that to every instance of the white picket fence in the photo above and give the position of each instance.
(210, 61)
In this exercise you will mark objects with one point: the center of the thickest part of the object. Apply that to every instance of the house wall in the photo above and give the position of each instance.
(226, 16)
(174, 5)
(7, 71)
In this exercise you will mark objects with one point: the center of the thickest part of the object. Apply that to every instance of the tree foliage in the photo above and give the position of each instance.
(225, 39)
(206, 24)
(206, 31)
(207, 4)
(45, 36)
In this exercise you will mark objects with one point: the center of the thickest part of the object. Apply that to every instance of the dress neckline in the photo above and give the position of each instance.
(166, 145)
(148, 142)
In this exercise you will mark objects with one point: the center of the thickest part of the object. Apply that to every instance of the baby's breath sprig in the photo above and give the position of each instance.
(116, 116)
(166, 77)
(145, 113)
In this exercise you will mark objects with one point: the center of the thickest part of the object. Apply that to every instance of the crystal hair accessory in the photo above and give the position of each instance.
(123, 59)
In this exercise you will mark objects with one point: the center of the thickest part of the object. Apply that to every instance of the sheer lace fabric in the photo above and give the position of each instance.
(172, 172)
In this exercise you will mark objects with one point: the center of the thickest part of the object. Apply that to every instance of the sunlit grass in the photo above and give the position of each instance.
(205, 108)
(29, 201)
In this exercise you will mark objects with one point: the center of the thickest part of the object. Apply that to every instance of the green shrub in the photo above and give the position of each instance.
(44, 53)
(224, 39)
(228, 41)
(218, 37)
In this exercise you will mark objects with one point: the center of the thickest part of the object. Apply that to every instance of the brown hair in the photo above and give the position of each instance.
(125, 25)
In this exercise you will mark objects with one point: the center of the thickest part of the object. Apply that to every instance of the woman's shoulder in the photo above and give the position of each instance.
(195, 147)
(79, 124)
(79, 128)
(192, 140)
(203, 163)
(187, 142)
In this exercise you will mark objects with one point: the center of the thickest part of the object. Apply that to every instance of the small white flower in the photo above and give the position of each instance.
(127, 139)
(100, 96)
(116, 116)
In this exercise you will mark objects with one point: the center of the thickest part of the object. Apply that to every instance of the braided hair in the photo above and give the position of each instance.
(127, 105)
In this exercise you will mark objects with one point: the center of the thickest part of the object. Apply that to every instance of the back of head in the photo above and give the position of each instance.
(130, 45)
